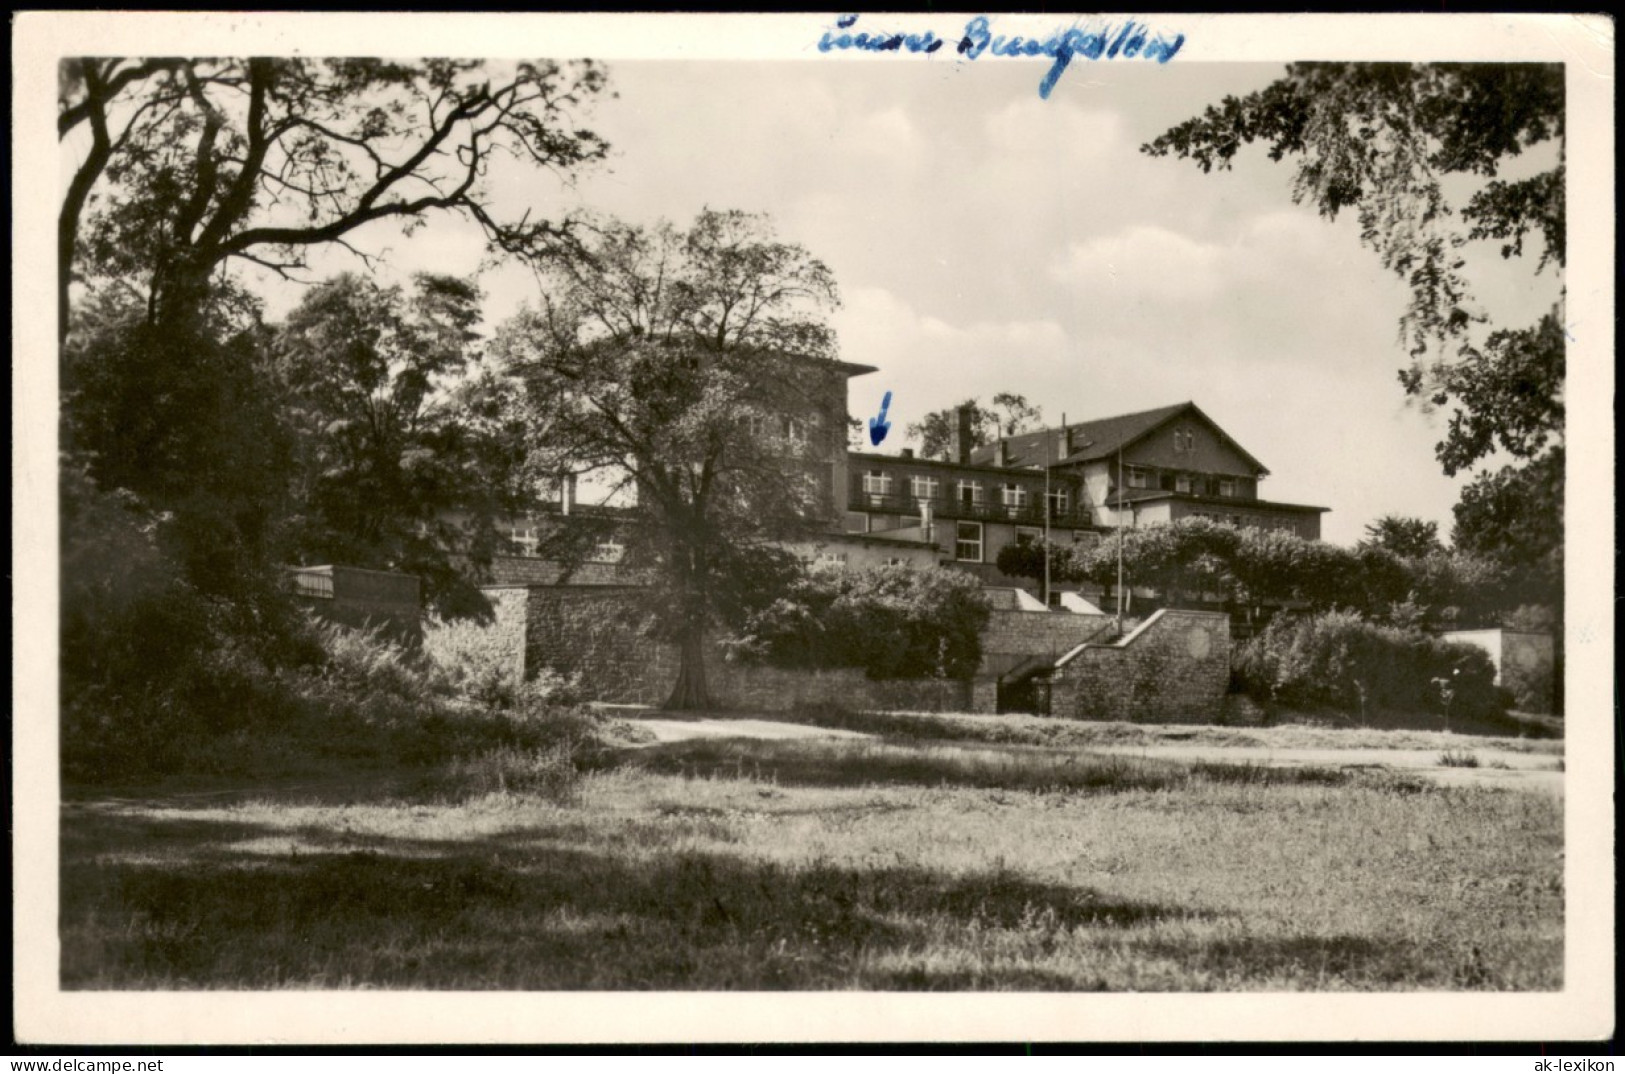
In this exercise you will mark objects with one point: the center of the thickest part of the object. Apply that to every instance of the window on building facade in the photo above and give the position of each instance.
(831, 560)
(1015, 496)
(1182, 483)
(924, 488)
(524, 539)
(813, 499)
(1227, 487)
(857, 522)
(1184, 440)
(876, 483)
(609, 551)
(968, 542)
(970, 493)
(1138, 478)
(1059, 502)
(896, 561)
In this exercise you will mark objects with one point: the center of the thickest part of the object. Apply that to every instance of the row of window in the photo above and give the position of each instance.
(968, 539)
(837, 561)
(969, 493)
(1254, 521)
(1140, 478)
(795, 430)
(525, 541)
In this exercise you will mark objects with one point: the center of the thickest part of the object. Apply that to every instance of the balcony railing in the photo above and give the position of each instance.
(949, 507)
(309, 583)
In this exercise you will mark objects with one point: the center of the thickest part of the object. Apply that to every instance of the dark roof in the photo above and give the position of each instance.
(1099, 439)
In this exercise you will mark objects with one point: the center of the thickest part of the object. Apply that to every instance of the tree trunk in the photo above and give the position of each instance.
(691, 692)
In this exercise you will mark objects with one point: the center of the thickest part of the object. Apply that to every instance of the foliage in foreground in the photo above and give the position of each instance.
(353, 699)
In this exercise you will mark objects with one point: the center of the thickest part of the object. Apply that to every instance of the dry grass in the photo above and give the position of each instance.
(1019, 729)
(817, 865)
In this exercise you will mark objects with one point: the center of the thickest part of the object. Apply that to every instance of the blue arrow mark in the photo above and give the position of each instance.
(879, 426)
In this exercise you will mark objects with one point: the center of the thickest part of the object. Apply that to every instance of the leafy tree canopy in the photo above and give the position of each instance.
(1380, 140)
(1008, 415)
(188, 163)
(1195, 560)
(409, 451)
(1402, 536)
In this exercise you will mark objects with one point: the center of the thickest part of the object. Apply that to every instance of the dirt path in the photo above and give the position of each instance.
(680, 730)
(1495, 768)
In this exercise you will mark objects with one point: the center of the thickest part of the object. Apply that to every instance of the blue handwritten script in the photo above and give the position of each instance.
(879, 426)
(1129, 40)
(927, 42)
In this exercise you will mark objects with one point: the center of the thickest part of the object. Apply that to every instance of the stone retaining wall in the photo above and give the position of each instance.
(594, 632)
(1013, 636)
(1174, 668)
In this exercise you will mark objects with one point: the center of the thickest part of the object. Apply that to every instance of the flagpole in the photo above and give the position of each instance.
(1047, 503)
(1119, 536)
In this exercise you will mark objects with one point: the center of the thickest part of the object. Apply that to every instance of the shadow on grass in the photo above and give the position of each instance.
(863, 764)
(219, 908)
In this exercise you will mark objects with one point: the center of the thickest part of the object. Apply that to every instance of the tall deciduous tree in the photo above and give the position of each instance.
(1402, 536)
(184, 164)
(691, 369)
(180, 418)
(1382, 140)
(409, 452)
(937, 429)
(1008, 415)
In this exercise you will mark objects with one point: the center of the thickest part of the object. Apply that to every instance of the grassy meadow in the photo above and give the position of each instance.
(898, 863)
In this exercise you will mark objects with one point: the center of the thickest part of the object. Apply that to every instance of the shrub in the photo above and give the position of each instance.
(149, 663)
(1338, 660)
(893, 622)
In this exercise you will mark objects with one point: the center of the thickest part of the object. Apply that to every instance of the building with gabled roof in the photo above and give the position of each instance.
(1074, 481)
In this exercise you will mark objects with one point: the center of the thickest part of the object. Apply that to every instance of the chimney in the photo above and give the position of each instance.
(907, 453)
(1066, 441)
(567, 493)
(999, 456)
(962, 435)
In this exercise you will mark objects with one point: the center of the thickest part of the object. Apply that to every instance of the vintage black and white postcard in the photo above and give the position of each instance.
(824, 527)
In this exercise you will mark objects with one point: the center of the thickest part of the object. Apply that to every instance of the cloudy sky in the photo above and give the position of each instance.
(986, 240)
